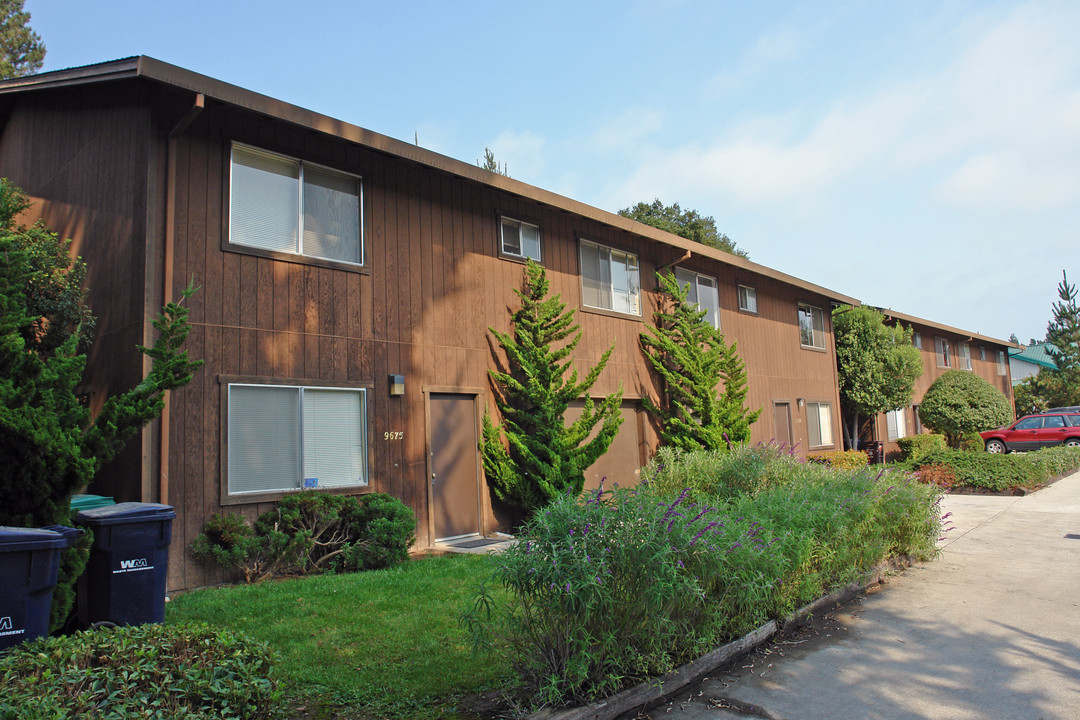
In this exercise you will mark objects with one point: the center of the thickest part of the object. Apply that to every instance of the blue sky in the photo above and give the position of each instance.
(923, 156)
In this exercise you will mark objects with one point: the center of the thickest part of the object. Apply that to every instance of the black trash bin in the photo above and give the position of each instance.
(29, 564)
(125, 577)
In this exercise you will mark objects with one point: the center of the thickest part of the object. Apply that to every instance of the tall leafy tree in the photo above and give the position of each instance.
(689, 224)
(693, 360)
(876, 364)
(533, 456)
(49, 444)
(21, 49)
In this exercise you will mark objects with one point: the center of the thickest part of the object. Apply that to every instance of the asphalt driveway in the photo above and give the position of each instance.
(991, 629)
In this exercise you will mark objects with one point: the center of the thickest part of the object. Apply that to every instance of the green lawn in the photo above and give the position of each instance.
(380, 644)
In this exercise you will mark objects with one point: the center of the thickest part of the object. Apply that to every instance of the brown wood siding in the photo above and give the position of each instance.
(83, 161)
(432, 284)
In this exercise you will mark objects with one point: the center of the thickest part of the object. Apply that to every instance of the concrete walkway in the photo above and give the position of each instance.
(991, 629)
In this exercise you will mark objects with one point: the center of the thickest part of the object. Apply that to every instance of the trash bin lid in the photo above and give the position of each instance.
(20, 539)
(85, 502)
(125, 512)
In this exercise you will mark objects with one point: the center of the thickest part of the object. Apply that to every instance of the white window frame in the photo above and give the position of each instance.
(965, 356)
(747, 299)
(896, 421)
(1001, 363)
(816, 412)
(982, 353)
(916, 340)
(943, 352)
(303, 444)
(631, 269)
(505, 220)
(298, 249)
(817, 334)
(700, 281)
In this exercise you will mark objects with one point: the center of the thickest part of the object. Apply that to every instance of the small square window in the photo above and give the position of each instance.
(747, 299)
(519, 239)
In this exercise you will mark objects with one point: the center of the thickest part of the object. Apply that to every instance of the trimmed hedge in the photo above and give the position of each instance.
(914, 447)
(997, 473)
(842, 459)
(146, 671)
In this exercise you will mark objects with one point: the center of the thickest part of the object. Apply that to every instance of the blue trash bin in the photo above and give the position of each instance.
(29, 565)
(125, 577)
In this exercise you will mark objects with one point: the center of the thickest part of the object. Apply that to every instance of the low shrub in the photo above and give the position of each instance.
(914, 447)
(145, 671)
(311, 532)
(842, 459)
(999, 473)
(722, 474)
(612, 588)
(972, 441)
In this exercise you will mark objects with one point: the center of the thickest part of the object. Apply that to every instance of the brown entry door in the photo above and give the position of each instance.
(455, 492)
(782, 422)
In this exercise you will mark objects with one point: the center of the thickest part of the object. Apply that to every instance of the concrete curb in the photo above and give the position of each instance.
(657, 690)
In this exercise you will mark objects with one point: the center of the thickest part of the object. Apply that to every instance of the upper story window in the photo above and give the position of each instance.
(965, 356)
(941, 349)
(701, 290)
(283, 438)
(1002, 367)
(811, 327)
(519, 239)
(982, 353)
(916, 340)
(747, 299)
(286, 205)
(609, 279)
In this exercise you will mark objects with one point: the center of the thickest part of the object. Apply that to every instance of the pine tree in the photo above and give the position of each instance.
(693, 359)
(542, 457)
(21, 49)
(49, 444)
(1063, 332)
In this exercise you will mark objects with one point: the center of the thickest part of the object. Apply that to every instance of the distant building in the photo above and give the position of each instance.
(1027, 361)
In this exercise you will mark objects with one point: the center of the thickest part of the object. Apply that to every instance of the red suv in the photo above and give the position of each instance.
(1032, 432)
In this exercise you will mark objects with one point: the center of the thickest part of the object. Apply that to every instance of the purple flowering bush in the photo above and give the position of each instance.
(611, 588)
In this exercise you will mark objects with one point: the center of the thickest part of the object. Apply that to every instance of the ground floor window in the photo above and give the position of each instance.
(819, 424)
(283, 437)
(897, 422)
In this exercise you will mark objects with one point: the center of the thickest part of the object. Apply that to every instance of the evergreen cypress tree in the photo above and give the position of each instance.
(693, 359)
(542, 457)
(49, 444)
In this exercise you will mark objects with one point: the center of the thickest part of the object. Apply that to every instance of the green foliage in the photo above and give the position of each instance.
(617, 587)
(723, 475)
(21, 49)
(491, 164)
(971, 441)
(915, 446)
(381, 645)
(693, 359)
(145, 671)
(999, 472)
(542, 457)
(960, 402)
(311, 532)
(842, 459)
(685, 223)
(49, 444)
(877, 365)
(1063, 332)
